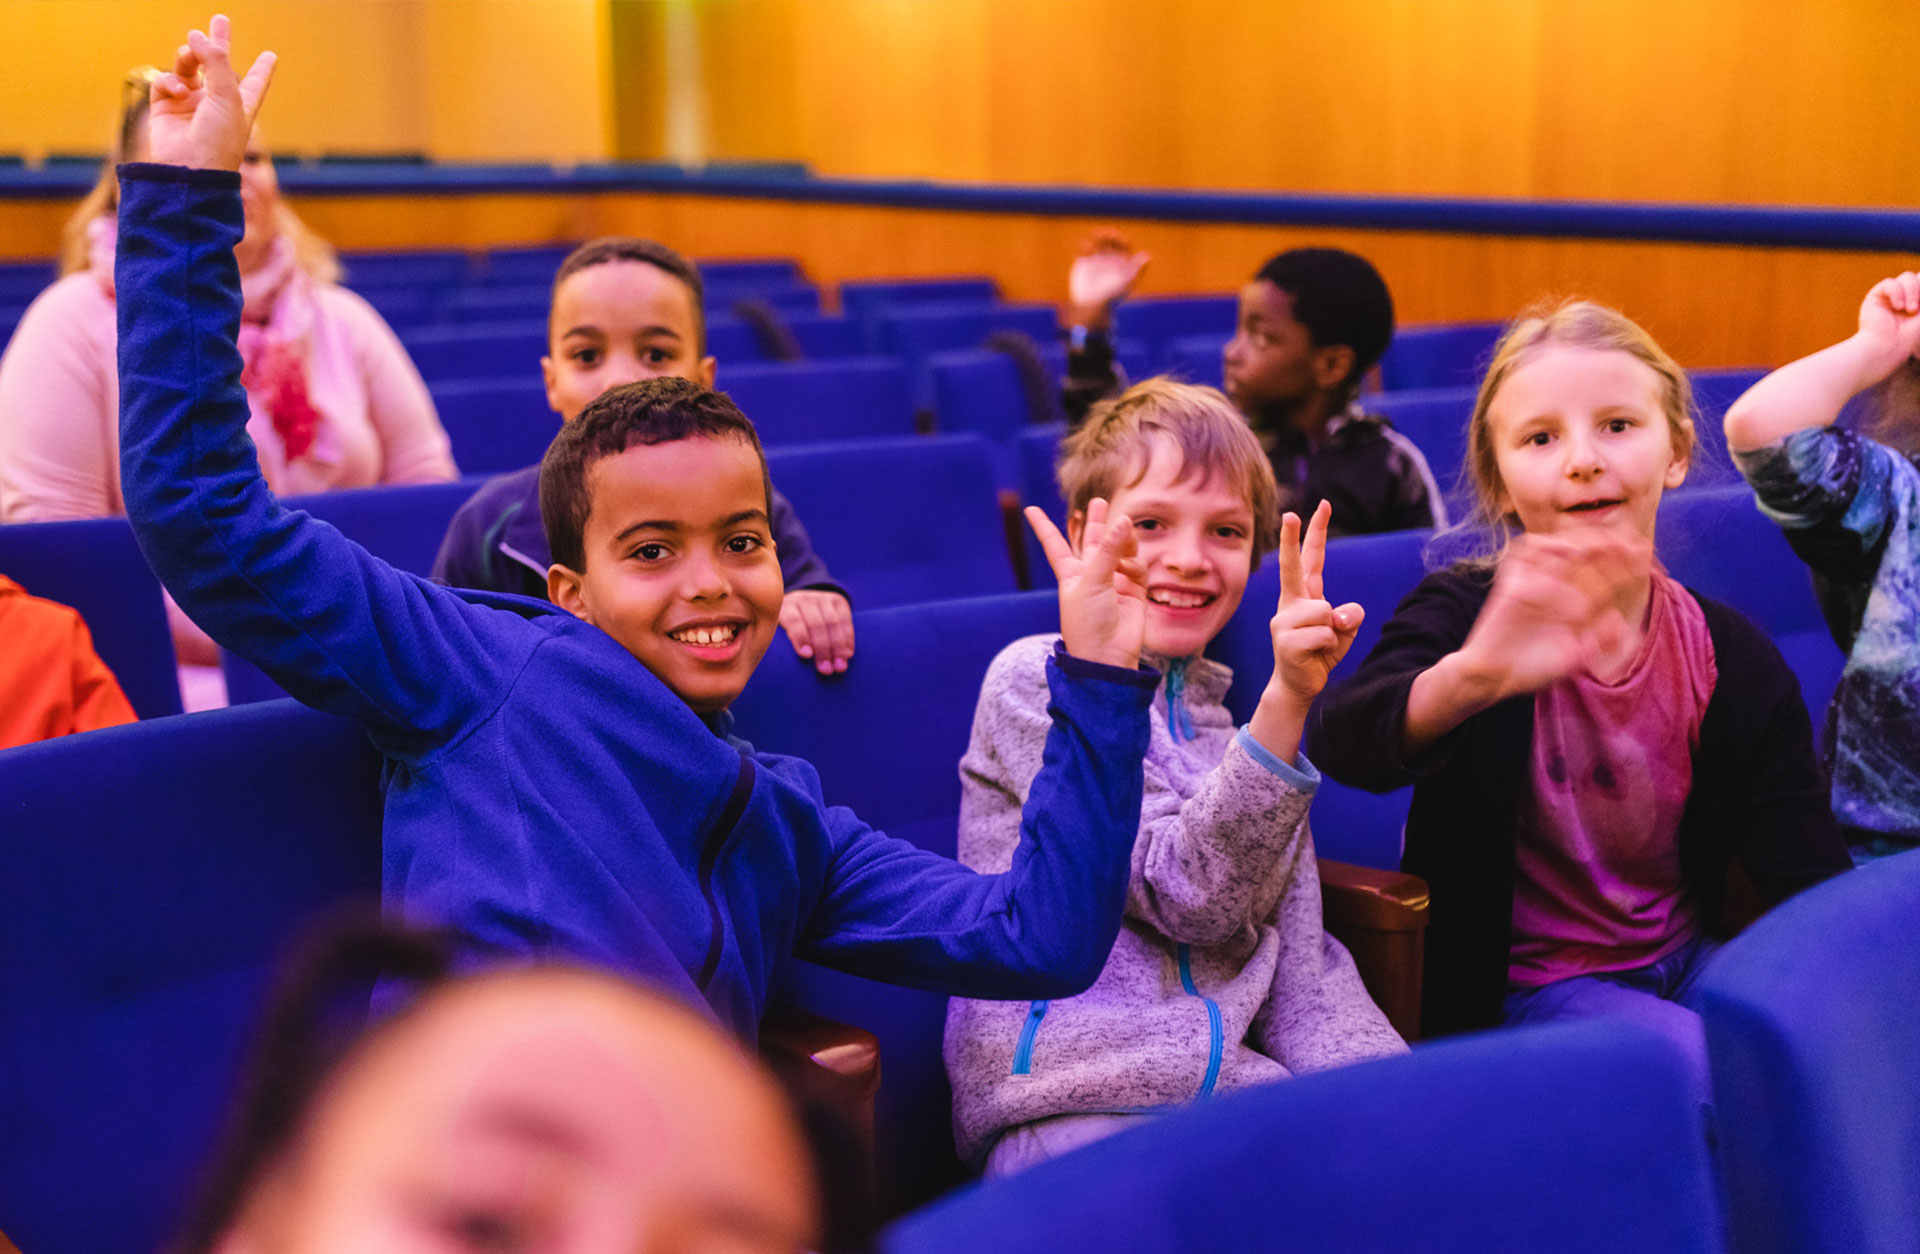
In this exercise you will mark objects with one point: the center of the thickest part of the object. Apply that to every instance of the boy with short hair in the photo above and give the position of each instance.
(1312, 322)
(626, 309)
(561, 779)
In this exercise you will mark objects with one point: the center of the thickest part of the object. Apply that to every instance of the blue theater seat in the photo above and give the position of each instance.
(94, 566)
(155, 873)
(901, 520)
(751, 271)
(1196, 359)
(917, 667)
(1444, 356)
(1579, 1139)
(1435, 419)
(1717, 542)
(1813, 1029)
(520, 302)
(1349, 824)
(852, 398)
(438, 270)
(866, 300)
(520, 267)
(826, 335)
(478, 350)
(21, 281)
(797, 297)
(496, 424)
(402, 307)
(919, 332)
(1714, 392)
(730, 339)
(1164, 321)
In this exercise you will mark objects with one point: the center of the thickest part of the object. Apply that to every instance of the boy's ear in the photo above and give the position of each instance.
(546, 378)
(564, 589)
(703, 372)
(1332, 365)
(1076, 527)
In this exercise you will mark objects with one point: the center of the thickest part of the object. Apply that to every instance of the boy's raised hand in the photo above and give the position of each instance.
(1103, 591)
(201, 113)
(1310, 636)
(1102, 276)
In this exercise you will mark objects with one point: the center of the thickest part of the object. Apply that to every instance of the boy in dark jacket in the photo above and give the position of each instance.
(626, 309)
(1312, 322)
(564, 782)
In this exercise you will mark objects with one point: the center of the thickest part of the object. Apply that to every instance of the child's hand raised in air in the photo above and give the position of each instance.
(201, 113)
(1103, 591)
(1310, 636)
(1102, 276)
(1890, 323)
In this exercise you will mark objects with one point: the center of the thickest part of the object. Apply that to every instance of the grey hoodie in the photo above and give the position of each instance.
(1222, 974)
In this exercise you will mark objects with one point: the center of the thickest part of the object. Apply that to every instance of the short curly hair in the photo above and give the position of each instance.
(652, 411)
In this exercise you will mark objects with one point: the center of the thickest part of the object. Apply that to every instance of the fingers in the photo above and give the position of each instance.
(1347, 620)
(1052, 543)
(1114, 544)
(839, 616)
(253, 88)
(1293, 576)
(1313, 553)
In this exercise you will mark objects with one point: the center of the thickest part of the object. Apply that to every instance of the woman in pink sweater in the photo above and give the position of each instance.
(336, 403)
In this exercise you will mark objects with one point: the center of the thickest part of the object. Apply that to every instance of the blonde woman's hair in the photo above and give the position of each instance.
(1111, 449)
(312, 254)
(1568, 324)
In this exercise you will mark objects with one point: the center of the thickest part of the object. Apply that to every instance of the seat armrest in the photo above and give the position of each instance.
(1381, 918)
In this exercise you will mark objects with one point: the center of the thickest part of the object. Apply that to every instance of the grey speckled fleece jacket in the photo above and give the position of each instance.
(1222, 975)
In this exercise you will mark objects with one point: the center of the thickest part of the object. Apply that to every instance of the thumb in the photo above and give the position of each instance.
(1347, 620)
(1116, 542)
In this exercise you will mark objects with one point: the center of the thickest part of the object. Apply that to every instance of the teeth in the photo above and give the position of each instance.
(706, 635)
(1178, 600)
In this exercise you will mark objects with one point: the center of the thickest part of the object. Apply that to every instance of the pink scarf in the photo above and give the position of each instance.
(276, 328)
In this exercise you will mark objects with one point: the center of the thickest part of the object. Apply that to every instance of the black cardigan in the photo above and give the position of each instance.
(1757, 791)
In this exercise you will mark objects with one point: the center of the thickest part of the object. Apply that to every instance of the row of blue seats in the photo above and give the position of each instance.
(143, 929)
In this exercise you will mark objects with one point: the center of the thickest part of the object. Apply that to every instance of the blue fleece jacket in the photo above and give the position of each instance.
(546, 794)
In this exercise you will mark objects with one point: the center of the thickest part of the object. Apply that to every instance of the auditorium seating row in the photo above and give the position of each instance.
(146, 913)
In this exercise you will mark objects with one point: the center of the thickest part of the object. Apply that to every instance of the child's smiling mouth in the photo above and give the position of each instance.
(1180, 598)
(710, 641)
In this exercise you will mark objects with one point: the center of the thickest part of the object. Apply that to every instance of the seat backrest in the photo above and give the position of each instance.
(1377, 571)
(1579, 1139)
(916, 332)
(864, 300)
(94, 566)
(429, 269)
(1163, 320)
(520, 267)
(750, 271)
(1717, 542)
(478, 350)
(979, 390)
(498, 424)
(806, 402)
(501, 303)
(1435, 419)
(887, 737)
(155, 873)
(1812, 1031)
(901, 520)
(1196, 359)
(796, 297)
(824, 335)
(402, 524)
(1447, 355)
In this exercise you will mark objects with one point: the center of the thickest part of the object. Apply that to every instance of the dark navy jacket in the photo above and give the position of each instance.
(496, 541)
(545, 793)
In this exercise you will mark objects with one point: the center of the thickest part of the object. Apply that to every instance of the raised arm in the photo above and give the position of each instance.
(1812, 391)
(340, 629)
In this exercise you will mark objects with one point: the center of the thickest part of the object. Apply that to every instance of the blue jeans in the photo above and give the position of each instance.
(1659, 996)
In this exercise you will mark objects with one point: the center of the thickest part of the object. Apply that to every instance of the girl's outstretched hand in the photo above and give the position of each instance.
(1310, 636)
(1103, 591)
(201, 112)
(1553, 610)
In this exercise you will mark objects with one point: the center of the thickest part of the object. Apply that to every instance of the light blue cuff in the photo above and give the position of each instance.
(1303, 778)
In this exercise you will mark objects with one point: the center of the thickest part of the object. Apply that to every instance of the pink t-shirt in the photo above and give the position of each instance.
(1597, 884)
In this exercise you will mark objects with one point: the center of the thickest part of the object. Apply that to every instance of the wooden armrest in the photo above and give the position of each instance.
(837, 1056)
(1381, 917)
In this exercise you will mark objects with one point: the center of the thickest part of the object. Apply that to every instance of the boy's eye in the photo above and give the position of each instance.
(743, 543)
(1229, 532)
(652, 551)
(586, 356)
(1146, 524)
(1617, 425)
(658, 356)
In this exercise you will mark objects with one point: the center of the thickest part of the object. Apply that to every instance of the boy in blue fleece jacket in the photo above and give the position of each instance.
(564, 782)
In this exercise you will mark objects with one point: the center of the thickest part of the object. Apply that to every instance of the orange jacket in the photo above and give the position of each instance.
(52, 683)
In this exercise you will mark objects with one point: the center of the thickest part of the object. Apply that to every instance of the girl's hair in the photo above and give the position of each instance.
(1568, 324)
(1111, 449)
(315, 257)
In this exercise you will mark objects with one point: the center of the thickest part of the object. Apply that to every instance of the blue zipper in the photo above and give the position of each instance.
(1216, 1031)
(1179, 721)
(1023, 1052)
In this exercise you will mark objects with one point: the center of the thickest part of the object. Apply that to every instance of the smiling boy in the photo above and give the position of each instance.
(561, 779)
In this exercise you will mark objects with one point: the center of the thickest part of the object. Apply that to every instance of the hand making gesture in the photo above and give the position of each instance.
(201, 113)
(1310, 635)
(1102, 276)
(1103, 591)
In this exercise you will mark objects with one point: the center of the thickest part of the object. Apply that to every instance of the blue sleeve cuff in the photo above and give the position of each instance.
(154, 172)
(1080, 668)
(1303, 778)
